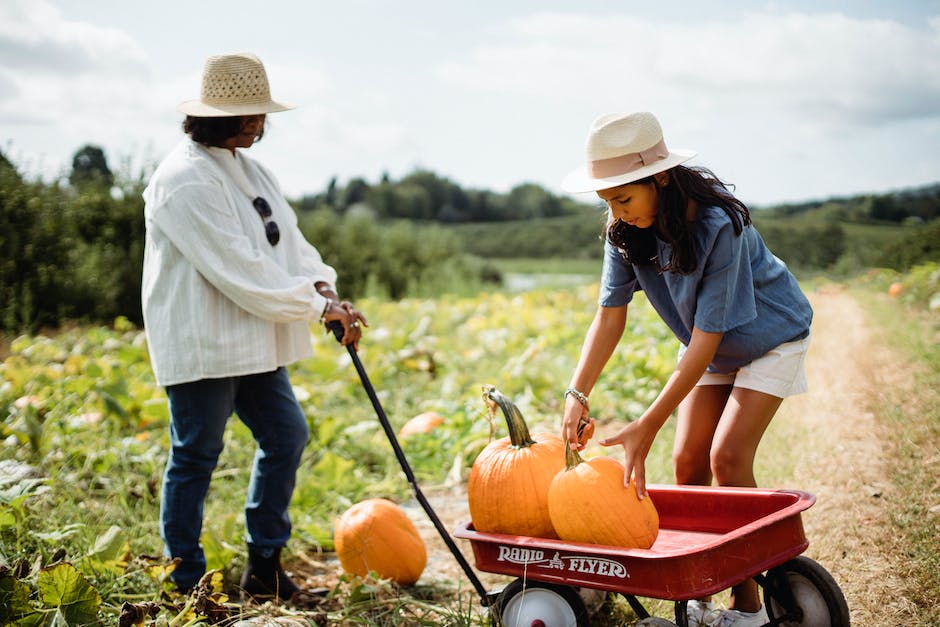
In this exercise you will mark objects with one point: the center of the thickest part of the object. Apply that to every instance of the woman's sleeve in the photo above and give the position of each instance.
(208, 232)
(618, 280)
(312, 265)
(725, 298)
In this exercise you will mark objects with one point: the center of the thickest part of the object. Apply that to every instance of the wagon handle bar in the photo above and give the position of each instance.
(337, 328)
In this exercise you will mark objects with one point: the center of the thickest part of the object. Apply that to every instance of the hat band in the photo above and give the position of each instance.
(622, 164)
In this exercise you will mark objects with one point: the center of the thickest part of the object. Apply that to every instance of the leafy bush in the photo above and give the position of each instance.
(919, 287)
(393, 259)
(76, 253)
(922, 245)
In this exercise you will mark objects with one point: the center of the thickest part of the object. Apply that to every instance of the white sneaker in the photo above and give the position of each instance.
(735, 618)
(701, 613)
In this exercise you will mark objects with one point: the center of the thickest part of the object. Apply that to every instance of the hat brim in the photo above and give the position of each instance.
(580, 180)
(200, 109)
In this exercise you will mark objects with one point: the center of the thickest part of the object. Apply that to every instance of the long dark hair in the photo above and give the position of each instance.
(214, 131)
(638, 246)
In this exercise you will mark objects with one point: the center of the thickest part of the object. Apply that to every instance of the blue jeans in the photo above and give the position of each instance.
(199, 412)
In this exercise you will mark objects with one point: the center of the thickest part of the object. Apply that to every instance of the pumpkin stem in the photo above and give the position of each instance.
(572, 458)
(518, 430)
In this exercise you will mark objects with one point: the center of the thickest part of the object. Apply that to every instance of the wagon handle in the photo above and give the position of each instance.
(337, 328)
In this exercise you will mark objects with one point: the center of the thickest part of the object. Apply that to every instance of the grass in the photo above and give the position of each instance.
(522, 265)
(914, 418)
(83, 416)
(96, 490)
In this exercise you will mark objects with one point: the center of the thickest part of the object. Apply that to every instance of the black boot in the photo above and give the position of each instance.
(264, 578)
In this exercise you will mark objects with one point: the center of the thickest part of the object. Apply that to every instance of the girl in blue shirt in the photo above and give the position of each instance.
(679, 235)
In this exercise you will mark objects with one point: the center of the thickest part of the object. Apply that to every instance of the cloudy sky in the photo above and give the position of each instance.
(789, 101)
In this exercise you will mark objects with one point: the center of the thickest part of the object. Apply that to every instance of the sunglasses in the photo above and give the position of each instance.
(270, 226)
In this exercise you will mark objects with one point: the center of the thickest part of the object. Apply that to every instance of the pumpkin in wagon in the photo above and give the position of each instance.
(588, 502)
(375, 535)
(508, 486)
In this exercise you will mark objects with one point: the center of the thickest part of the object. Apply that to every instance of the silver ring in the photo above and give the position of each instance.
(355, 324)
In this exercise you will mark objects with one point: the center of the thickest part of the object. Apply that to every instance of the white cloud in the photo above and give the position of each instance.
(829, 65)
(759, 95)
(70, 82)
(789, 105)
(34, 36)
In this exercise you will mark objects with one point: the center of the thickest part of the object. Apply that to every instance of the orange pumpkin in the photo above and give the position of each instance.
(375, 535)
(508, 486)
(422, 423)
(588, 502)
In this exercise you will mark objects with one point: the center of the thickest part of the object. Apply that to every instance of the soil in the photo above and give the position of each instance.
(840, 453)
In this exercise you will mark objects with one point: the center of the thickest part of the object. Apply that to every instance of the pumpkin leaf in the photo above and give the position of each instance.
(59, 534)
(220, 553)
(63, 587)
(111, 550)
(7, 517)
(14, 599)
(331, 468)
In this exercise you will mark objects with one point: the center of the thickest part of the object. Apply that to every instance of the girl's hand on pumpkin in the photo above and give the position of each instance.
(577, 427)
(636, 442)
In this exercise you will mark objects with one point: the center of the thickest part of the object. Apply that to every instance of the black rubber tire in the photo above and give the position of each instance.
(509, 601)
(817, 595)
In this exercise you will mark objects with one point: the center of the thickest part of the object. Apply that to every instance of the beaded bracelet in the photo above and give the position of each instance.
(578, 395)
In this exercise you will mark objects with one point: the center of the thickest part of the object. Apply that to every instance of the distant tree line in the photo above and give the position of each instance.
(913, 206)
(424, 196)
(72, 249)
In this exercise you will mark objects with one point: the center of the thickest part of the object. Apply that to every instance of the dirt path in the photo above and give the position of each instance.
(845, 458)
(839, 454)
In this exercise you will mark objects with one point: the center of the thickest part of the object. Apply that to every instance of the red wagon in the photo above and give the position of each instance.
(709, 540)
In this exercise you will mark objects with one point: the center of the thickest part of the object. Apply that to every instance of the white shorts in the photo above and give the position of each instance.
(781, 372)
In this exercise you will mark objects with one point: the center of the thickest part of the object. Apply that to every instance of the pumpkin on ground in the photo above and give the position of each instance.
(422, 423)
(375, 535)
(588, 502)
(508, 486)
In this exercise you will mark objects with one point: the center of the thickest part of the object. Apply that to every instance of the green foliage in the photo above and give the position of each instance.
(920, 246)
(393, 258)
(813, 246)
(922, 204)
(570, 237)
(76, 253)
(68, 255)
(101, 429)
(424, 196)
(918, 288)
(911, 322)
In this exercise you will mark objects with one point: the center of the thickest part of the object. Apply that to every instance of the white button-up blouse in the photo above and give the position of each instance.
(218, 299)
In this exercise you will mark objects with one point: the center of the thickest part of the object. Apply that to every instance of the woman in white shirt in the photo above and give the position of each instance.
(230, 287)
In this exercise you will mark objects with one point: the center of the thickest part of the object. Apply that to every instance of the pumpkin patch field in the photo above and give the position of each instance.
(84, 438)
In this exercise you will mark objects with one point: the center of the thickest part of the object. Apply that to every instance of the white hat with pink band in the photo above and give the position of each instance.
(623, 148)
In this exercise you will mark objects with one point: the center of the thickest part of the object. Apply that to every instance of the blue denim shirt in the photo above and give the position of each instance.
(738, 288)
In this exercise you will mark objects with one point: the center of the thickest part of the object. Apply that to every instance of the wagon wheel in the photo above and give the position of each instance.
(801, 592)
(537, 604)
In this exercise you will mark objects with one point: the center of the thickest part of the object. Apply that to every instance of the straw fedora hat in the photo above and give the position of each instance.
(622, 148)
(233, 84)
